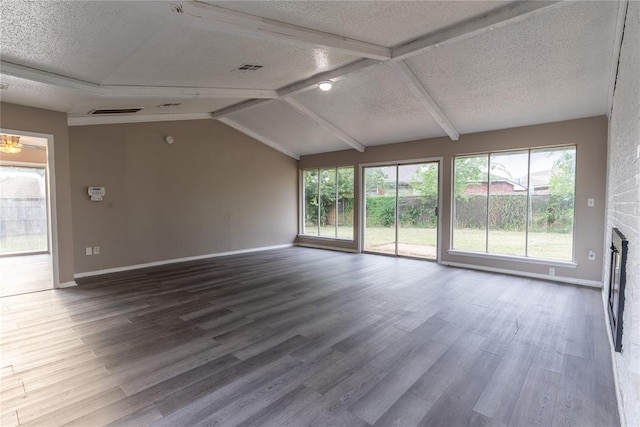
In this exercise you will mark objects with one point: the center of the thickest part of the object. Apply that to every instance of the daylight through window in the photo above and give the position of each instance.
(23, 217)
(518, 203)
(328, 202)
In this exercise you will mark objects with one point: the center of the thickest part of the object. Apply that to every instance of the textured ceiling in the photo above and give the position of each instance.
(387, 23)
(279, 123)
(487, 65)
(553, 66)
(366, 105)
(206, 58)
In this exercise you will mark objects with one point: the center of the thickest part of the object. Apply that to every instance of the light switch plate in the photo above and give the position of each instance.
(591, 203)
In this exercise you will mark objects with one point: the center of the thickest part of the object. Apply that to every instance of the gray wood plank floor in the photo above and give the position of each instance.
(21, 274)
(306, 337)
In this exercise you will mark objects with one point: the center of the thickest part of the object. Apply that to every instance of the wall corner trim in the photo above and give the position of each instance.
(177, 260)
(569, 280)
(70, 284)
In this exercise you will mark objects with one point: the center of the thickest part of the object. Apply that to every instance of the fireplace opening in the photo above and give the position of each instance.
(617, 282)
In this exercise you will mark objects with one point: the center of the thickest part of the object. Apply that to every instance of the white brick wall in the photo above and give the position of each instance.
(623, 194)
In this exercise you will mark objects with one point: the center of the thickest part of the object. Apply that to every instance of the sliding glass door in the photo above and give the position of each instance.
(401, 210)
(380, 209)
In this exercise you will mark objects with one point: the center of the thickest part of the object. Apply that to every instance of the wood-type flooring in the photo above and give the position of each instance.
(21, 274)
(306, 337)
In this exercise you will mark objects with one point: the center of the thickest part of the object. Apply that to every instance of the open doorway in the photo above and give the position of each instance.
(26, 256)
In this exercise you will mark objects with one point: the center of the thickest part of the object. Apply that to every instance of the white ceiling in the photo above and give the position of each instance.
(402, 70)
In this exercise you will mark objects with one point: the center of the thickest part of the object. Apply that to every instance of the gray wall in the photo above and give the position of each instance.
(213, 190)
(624, 207)
(590, 137)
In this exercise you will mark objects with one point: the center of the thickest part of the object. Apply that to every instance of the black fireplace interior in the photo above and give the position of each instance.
(617, 281)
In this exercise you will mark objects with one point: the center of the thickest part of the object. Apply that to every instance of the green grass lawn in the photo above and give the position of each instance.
(24, 243)
(555, 246)
(541, 245)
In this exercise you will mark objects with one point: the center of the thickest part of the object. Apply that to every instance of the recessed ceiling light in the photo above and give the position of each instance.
(325, 85)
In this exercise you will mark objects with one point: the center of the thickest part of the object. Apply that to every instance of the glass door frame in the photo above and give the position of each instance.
(362, 205)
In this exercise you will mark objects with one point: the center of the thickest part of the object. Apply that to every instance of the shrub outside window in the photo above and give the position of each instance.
(328, 202)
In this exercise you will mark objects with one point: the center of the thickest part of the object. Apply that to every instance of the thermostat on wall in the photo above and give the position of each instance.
(96, 193)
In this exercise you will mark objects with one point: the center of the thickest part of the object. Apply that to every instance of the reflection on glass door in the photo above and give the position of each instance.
(380, 209)
(417, 210)
(400, 207)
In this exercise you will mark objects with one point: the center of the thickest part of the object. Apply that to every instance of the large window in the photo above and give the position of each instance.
(328, 202)
(518, 203)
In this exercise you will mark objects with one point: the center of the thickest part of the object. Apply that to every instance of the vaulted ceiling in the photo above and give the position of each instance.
(401, 70)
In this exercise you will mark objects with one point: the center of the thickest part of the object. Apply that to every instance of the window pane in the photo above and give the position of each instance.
(470, 203)
(327, 181)
(311, 202)
(23, 217)
(344, 214)
(552, 185)
(417, 202)
(380, 209)
(328, 202)
(509, 177)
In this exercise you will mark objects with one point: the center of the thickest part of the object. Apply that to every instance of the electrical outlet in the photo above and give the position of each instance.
(552, 271)
(88, 251)
(96, 250)
(592, 255)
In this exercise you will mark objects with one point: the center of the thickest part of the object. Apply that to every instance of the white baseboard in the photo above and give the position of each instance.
(67, 284)
(331, 248)
(177, 260)
(561, 279)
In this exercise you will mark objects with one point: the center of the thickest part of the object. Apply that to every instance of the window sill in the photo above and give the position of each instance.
(526, 260)
(326, 238)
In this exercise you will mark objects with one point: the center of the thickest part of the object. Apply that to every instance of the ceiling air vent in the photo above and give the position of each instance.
(249, 67)
(102, 111)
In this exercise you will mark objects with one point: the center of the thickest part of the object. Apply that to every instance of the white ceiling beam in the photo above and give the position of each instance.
(216, 18)
(241, 106)
(112, 91)
(28, 73)
(258, 137)
(417, 88)
(333, 75)
(507, 15)
(299, 87)
(326, 124)
(185, 92)
(617, 45)
(133, 118)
